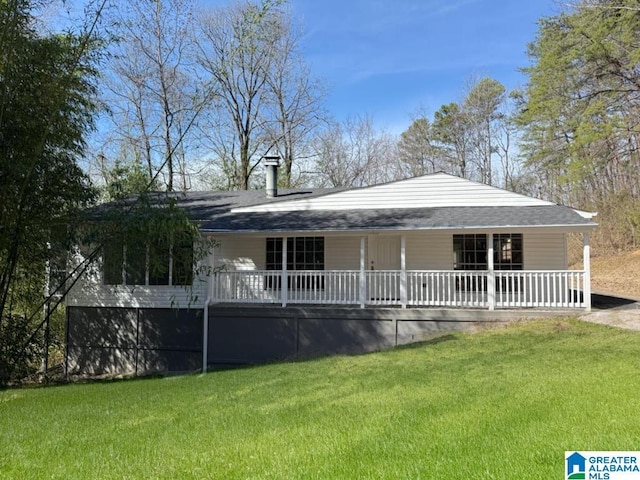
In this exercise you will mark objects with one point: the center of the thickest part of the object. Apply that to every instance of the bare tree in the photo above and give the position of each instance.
(237, 48)
(295, 102)
(268, 100)
(354, 154)
(154, 97)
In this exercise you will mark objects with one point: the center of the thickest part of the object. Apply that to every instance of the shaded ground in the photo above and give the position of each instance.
(601, 301)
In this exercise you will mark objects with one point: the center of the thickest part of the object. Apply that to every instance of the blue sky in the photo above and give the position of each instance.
(389, 58)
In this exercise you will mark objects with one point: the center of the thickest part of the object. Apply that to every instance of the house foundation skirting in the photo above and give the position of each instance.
(242, 334)
(143, 341)
(132, 341)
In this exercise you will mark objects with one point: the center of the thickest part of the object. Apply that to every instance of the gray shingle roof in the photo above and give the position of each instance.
(207, 205)
(202, 206)
(397, 219)
(212, 210)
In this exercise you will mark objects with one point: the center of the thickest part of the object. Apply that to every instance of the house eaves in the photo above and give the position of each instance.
(449, 218)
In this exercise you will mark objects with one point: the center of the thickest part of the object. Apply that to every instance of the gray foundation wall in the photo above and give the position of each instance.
(138, 341)
(257, 334)
(133, 341)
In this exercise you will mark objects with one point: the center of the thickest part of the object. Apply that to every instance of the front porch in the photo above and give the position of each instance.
(490, 275)
(466, 289)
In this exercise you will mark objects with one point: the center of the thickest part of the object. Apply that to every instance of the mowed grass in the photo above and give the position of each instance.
(500, 404)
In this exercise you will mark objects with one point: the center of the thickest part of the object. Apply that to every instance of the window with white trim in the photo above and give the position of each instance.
(303, 253)
(507, 251)
(470, 251)
(156, 262)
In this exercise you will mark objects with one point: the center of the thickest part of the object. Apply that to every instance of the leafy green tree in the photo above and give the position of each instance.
(46, 108)
(580, 108)
(484, 117)
(416, 149)
(450, 130)
(125, 180)
(472, 135)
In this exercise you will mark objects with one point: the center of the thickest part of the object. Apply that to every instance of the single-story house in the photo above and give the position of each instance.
(301, 273)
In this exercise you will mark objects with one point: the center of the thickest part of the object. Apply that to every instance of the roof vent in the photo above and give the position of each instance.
(272, 164)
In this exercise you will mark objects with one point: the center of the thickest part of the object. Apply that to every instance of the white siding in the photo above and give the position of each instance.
(545, 251)
(425, 251)
(342, 253)
(248, 253)
(139, 296)
(89, 291)
(429, 251)
(435, 190)
(237, 252)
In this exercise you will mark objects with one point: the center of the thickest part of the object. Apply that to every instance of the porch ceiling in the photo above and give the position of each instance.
(400, 219)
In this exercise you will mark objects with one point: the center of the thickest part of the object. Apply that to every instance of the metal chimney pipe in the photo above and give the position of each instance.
(272, 164)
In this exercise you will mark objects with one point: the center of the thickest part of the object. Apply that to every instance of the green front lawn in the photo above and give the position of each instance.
(503, 403)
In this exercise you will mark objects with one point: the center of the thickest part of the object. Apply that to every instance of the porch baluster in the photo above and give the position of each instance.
(363, 278)
(284, 286)
(491, 277)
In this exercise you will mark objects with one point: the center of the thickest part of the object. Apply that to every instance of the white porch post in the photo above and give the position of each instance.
(403, 271)
(586, 263)
(363, 280)
(491, 280)
(284, 285)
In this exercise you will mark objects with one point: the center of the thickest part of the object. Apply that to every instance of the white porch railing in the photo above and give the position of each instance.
(466, 289)
(448, 289)
(541, 289)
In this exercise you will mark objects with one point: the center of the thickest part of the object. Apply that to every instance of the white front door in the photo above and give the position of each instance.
(384, 252)
(384, 255)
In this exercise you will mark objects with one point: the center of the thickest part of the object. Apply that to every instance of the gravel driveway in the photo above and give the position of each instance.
(611, 309)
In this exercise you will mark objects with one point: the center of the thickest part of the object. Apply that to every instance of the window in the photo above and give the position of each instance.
(303, 253)
(135, 260)
(156, 262)
(507, 254)
(112, 262)
(470, 252)
(182, 263)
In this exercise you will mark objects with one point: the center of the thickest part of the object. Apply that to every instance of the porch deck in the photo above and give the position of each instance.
(564, 289)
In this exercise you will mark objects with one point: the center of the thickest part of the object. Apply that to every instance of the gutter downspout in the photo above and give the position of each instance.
(205, 336)
(205, 328)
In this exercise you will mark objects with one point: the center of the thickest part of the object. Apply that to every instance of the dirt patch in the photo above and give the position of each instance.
(619, 274)
(613, 277)
(628, 318)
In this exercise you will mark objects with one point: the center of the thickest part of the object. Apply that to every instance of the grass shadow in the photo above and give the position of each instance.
(431, 341)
